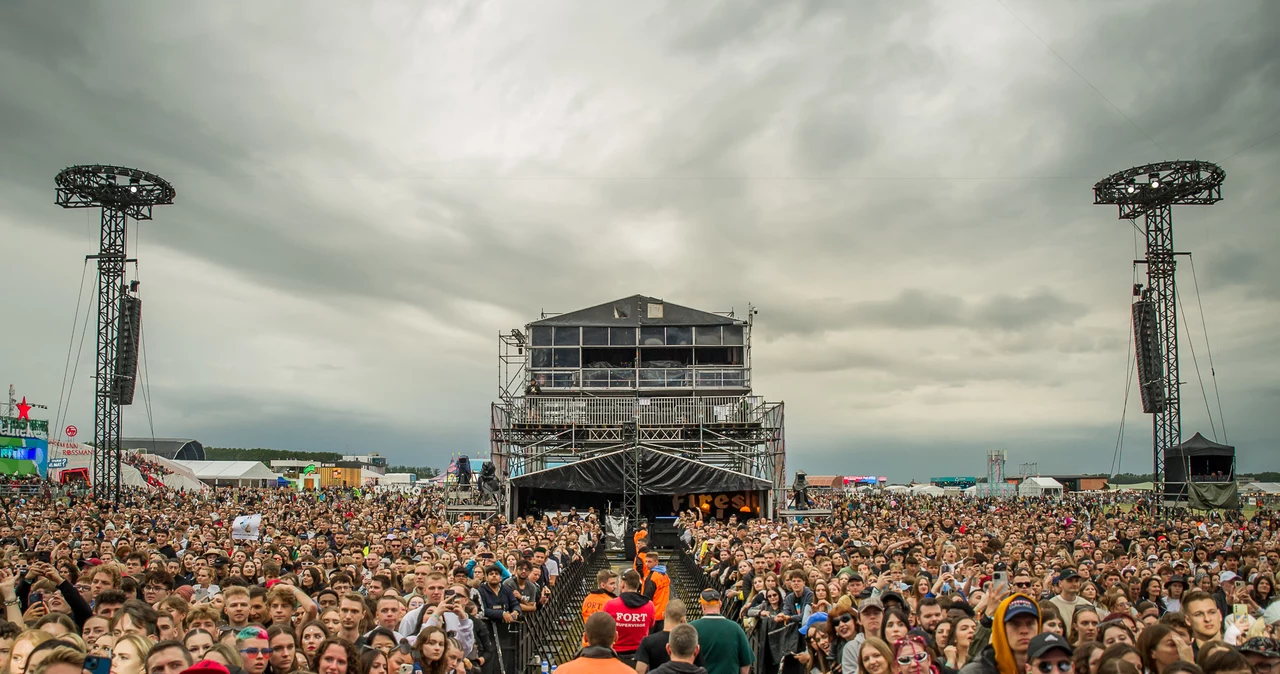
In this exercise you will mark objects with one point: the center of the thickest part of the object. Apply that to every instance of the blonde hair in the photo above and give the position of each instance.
(61, 655)
(140, 644)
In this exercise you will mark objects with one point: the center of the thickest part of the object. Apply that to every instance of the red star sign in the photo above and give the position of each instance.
(24, 410)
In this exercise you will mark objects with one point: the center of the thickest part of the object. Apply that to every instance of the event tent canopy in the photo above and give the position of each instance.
(231, 473)
(1040, 486)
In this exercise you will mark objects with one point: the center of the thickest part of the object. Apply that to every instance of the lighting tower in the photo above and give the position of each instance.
(121, 193)
(1151, 191)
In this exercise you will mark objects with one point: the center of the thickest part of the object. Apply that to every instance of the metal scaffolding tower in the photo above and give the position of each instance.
(121, 193)
(1151, 191)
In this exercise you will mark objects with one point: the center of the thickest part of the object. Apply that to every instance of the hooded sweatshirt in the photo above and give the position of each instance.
(633, 613)
(657, 586)
(997, 657)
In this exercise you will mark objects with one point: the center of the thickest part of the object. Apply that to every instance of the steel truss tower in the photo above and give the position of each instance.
(121, 193)
(1151, 191)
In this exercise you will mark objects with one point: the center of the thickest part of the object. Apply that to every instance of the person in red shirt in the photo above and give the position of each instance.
(633, 614)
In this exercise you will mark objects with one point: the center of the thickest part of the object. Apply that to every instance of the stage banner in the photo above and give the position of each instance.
(246, 528)
(615, 533)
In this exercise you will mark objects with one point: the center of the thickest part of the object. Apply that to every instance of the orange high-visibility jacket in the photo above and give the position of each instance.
(657, 587)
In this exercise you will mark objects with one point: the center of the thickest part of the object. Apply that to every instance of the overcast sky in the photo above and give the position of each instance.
(368, 193)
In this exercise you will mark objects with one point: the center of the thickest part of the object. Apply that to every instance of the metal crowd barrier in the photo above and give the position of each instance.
(544, 634)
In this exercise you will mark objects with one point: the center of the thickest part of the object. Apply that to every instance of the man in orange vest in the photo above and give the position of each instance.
(641, 540)
(606, 589)
(598, 657)
(657, 587)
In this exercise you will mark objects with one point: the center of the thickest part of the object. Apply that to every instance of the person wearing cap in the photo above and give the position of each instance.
(1225, 595)
(1174, 588)
(725, 649)
(1049, 653)
(1013, 623)
(1263, 654)
(1068, 598)
(870, 614)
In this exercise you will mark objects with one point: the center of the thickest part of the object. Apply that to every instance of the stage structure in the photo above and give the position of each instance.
(639, 405)
(121, 193)
(1151, 192)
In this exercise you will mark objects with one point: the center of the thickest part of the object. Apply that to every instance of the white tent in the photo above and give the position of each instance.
(897, 488)
(1260, 488)
(928, 490)
(1040, 486)
(971, 491)
(232, 473)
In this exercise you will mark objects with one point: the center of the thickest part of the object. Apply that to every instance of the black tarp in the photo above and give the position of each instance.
(1212, 496)
(660, 473)
(1198, 445)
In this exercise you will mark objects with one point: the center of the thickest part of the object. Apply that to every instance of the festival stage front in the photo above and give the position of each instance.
(669, 484)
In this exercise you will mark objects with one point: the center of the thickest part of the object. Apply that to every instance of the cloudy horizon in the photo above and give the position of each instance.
(368, 194)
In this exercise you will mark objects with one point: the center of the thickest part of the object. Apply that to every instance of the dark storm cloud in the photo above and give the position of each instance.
(917, 309)
(905, 192)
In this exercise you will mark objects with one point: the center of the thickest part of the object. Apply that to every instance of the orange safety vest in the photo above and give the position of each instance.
(594, 603)
(657, 586)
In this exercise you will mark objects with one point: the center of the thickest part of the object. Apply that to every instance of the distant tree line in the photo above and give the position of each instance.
(266, 455)
(422, 472)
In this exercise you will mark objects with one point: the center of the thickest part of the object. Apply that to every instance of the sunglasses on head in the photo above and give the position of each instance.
(1062, 666)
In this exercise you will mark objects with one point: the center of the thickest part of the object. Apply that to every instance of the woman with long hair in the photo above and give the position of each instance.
(1120, 652)
(913, 656)
(21, 649)
(335, 656)
(1152, 591)
(284, 658)
(1160, 646)
(1051, 620)
(130, 654)
(1086, 657)
(332, 620)
(1263, 592)
(895, 626)
(1115, 632)
(197, 642)
(372, 661)
(431, 645)
(962, 631)
(875, 657)
(842, 631)
(1084, 624)
(310, 635)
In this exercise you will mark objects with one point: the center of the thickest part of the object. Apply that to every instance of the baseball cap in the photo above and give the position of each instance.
(1041, 644)
(709, 596)
(1067, 574)
(1267, 648)
(871, 603)
(1020, 605)
(1227, 576)
(1271, 616)
(819, 617)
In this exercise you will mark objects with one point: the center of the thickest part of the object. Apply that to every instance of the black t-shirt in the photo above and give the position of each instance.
(653, 651)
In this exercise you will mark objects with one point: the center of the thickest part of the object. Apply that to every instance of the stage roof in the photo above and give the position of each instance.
(634, 311)
(660, 473)
(180, 449)
(1199, 445)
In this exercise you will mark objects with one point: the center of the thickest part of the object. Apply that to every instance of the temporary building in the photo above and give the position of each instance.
(928, 490)
(232, 473)
(897, 488)
(1040, 486)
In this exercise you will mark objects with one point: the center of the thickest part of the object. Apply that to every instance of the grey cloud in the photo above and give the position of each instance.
(917, 309)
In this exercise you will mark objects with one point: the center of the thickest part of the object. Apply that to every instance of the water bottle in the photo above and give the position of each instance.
(546, 668)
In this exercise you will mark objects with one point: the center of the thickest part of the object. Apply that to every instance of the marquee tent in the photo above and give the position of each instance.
(1040, 486)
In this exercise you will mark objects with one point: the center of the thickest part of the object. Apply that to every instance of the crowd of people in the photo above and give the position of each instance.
(354, 582)
(900, 584)
(152, 471)
(334, 582)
